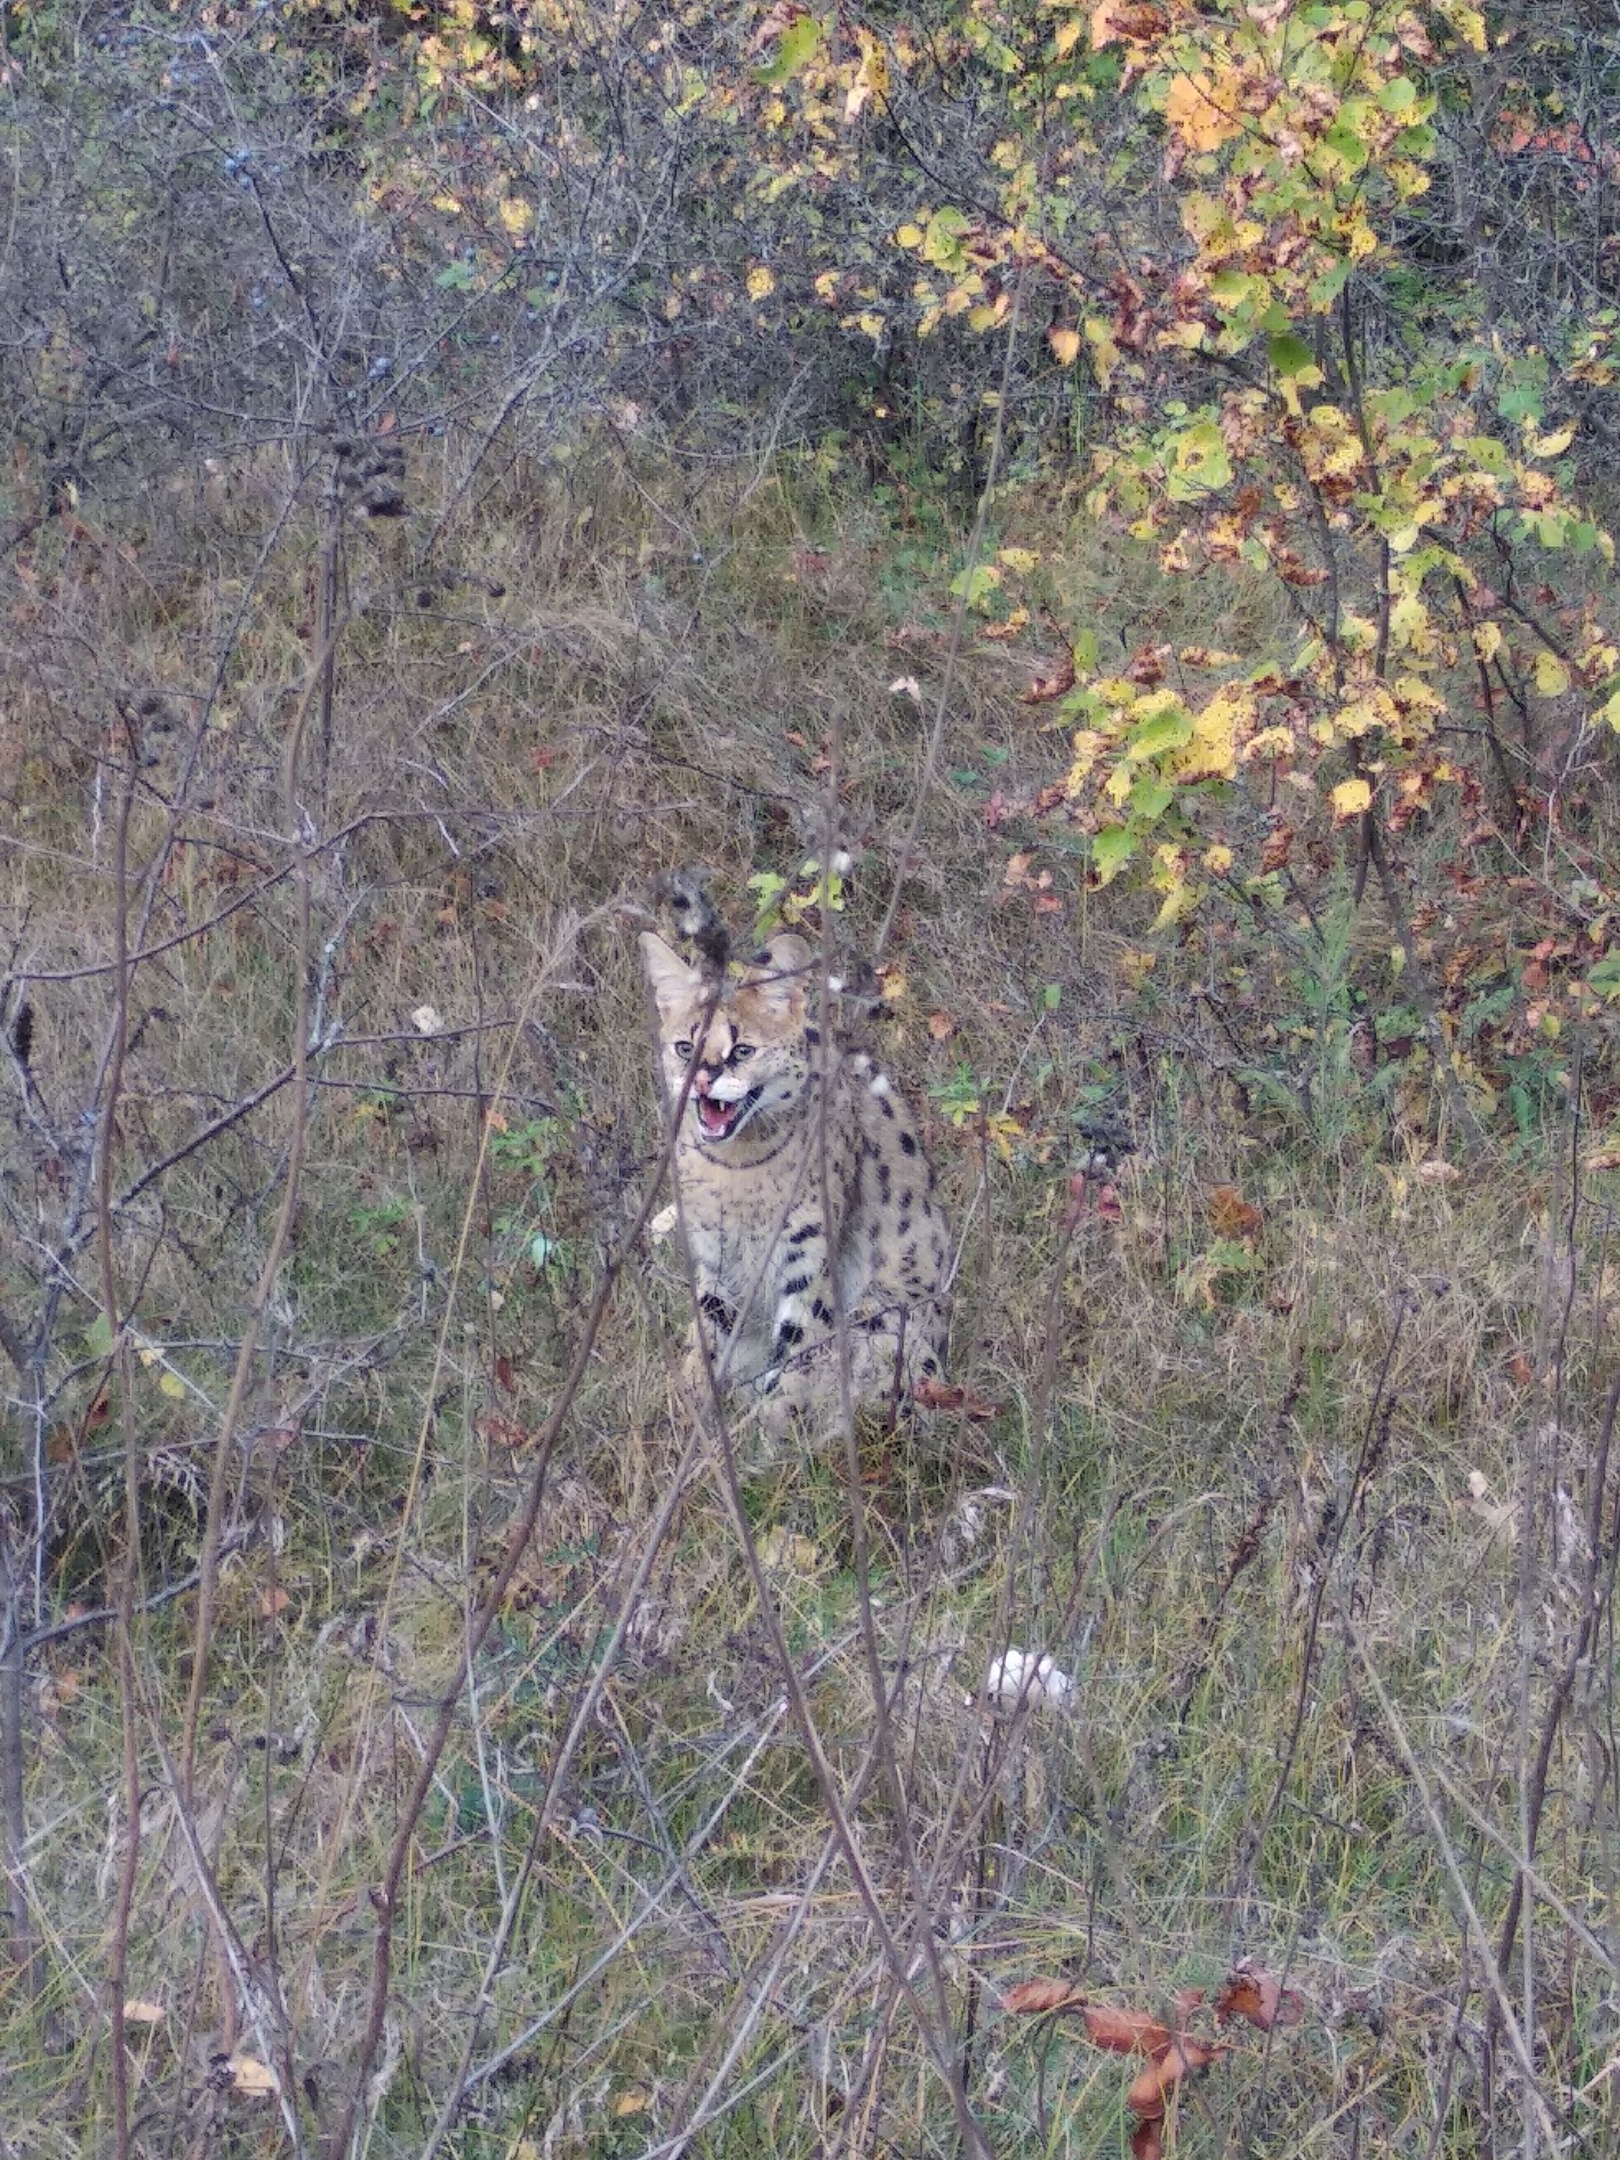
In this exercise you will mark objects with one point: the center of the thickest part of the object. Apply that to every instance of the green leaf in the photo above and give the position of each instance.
(1111, 850)
(1168, 730)
(942, 242)
(1150, 799)
(976, 585)
(1198, 462)
(1291, 355)
(797, 47)
(98, 1337)
(455, 277)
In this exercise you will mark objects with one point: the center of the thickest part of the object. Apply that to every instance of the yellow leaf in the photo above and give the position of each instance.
(250, 2076)
(1552, 677)
(1217, 860)
(1180, 900)
(1487, 640)
(760, 283)
(1201, 112)
(1611, 713)
(1067, 36)
(1551, 445)
(871, 78)
(137, 2012)
(1468, 23)
(1104, 352)
(1212, 753)
(516, 215)
(173, 1386)
(1022, 560)
(910, 236)
(1065, 344)
(1349, 798)
(634, 2102)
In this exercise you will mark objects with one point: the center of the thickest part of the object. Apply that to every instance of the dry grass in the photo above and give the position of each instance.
(1246, 1494)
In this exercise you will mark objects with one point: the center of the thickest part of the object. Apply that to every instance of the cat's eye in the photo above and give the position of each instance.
(683, 1049)
(739, 1051)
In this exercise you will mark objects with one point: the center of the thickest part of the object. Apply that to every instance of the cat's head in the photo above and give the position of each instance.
(746, 1043)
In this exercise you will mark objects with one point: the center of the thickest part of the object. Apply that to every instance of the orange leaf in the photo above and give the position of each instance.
(1044, 688)
(940, 1395)
(274, 1603)
(1250, 1992)
(941, 1025)
(1230, 1215)
(1154, 2085)
(1279, 845)
(1147, 2142)
(1035, 1997)
(1126, 2032)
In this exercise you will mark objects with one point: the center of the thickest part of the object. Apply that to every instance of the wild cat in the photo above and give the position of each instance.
(791, 1239)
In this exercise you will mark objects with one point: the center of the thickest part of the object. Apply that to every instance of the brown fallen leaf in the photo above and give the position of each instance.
(940, 1395)
(1251, 1992)
(1230, 1215)
(1147, 2140)
(1043, 689)
(1033, 1998)
(1183, 2058)
(1126, 2032)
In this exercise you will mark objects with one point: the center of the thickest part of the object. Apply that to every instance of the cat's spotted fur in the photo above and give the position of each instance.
(787, 1238)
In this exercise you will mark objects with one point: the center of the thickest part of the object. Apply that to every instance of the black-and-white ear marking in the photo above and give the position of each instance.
(779, 978)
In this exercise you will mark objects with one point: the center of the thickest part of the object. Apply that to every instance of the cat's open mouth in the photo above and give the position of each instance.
(717, 1119)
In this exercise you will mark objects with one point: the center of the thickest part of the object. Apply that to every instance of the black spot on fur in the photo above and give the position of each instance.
(908, 1143)
(798, 1284)
(821, 1312)
(717, 1310)
(788, 1333)
(812, 1035)
(804, 1232)
(888, 1107)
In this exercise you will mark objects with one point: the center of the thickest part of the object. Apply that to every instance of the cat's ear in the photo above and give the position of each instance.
(674, 984)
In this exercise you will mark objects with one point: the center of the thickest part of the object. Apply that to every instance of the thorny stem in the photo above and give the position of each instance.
(1313, 1624)
(970, 560)
(241, 1377)
(118, 1951)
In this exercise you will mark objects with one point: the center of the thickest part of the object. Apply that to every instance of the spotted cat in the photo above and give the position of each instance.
(781, 1249)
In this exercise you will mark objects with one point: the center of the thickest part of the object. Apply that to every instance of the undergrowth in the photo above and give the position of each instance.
(1284, 1440)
